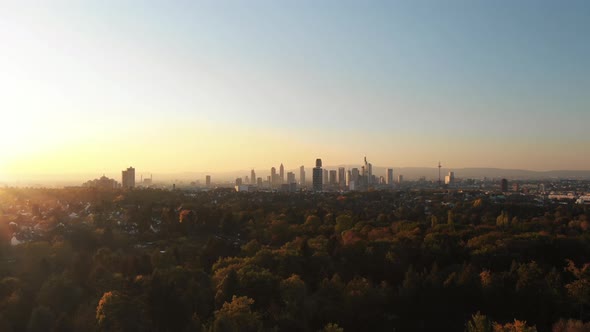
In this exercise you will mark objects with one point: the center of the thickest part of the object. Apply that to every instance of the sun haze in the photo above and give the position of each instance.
(92, 87)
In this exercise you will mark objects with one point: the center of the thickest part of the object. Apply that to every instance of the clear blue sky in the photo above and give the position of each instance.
(238, 84)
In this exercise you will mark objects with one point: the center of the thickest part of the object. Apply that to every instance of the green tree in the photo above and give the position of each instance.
(42, 319)
(60, 294)
(517, 326)
(312, 223)
(571, 325)
(579, 289)
(236, 316)
(451, 219)
(479, 323)
(343, 222)
(293, 298)
(116, 312)
(228, 288)
(251, 248)
(503, 219)
(433, 221)
(331, 327)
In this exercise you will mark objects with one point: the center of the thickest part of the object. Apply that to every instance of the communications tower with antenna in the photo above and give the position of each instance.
(439, 166)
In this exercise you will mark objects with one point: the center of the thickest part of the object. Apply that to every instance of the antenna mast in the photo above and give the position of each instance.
(439, 166)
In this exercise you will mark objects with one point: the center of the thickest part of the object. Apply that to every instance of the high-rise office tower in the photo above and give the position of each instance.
(128, 178)
(365, 175)
(341, 177)
(348, 177)
(389, 177)
(273, 177)
(326, 177)
(516, 187)
(450, 178)
(355, 175)
(252, 177)
(282, 173)
(290, 177)
(363, 179)
(317, 175)
(370, 173)
(147, 181)
(259, 182)
(439, 167)
(400, 178)
(302, 176)
(504, 185)
(333, 174)
(208, 180)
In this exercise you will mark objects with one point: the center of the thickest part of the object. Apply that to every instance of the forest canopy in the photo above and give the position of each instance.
(154, 260)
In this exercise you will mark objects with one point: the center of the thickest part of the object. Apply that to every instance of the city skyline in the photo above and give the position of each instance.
(337, 179)
(88, 88)
(409, 173)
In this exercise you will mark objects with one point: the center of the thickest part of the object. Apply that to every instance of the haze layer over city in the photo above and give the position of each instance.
(209, 87)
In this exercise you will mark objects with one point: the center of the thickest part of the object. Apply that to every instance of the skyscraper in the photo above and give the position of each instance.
(128, 178)
(504, 185)
(326, 177)
(400, 178)
(516, 187)
(450, 178)
(282, 173)
(317, 175)
(208, 181)
(302, 176)
(333, 178)
(273, 177)
(355, 175)
(290, 177)
(363, 179)
(370, 174)
(389, 177)
(341, 177)
(252, 177)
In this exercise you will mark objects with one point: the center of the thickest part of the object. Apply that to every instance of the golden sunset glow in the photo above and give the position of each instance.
(86, 90)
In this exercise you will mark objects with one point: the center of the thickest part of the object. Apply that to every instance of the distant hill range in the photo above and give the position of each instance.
(412, 173)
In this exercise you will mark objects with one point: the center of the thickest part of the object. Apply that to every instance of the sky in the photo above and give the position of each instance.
(176, 86)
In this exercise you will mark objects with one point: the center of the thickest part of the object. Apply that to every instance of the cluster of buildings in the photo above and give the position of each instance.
(127, 181)
(102, 183)
(361, 178)
(26, 220)
(322, 179)
(352, 179)
(275, 181)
